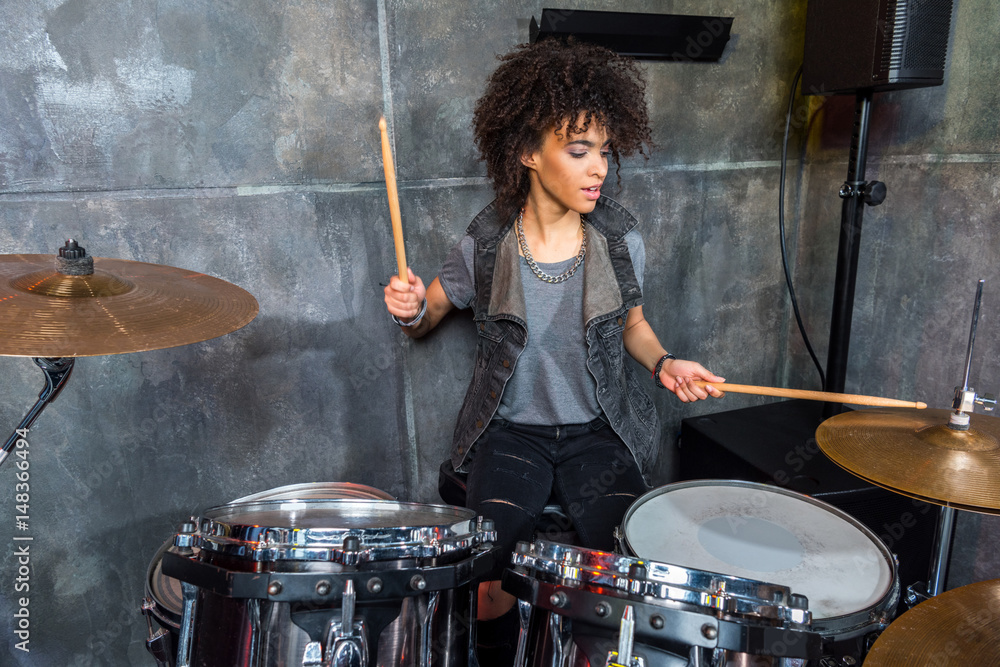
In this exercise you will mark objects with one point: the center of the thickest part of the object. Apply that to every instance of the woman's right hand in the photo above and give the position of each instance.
(404, 299)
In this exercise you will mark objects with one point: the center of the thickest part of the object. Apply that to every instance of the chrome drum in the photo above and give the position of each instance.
(573, 600)
(316, 581)
(758, 531)
(163, 603)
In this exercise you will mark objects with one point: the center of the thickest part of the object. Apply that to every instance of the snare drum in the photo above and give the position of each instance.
(349, 582)
(163, 602)
(758, 531)
(572, 601)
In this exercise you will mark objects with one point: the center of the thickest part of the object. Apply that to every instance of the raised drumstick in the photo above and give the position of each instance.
(852, 399)
(390, 185)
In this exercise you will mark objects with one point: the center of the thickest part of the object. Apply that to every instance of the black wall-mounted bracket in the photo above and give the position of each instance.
(672, 37)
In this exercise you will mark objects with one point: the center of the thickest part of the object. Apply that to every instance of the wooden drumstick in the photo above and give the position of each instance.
(390, 186)
(852, 399)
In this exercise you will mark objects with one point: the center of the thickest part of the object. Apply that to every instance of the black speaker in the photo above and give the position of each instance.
(853, 45)
(776, 444)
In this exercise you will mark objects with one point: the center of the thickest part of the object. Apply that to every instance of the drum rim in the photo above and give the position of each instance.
(459, 513)
(454, 532)
(662, 582)
(164, 614)
(170, 616)
(848, 622)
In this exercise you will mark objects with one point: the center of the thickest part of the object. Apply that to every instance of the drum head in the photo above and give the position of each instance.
(317, 490)
(763, 532)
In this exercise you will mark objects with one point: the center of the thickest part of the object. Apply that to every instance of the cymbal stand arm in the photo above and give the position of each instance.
(966, 397)
(959, 420)
(57, 371)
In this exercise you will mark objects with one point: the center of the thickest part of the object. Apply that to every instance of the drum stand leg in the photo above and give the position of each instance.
(427, 631)
(941, 553)
(524, 618)
(562, 638)
(56, 371)
(473, 660)
(190, 592)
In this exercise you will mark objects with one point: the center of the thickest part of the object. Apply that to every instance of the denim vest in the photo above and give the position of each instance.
(610, 289)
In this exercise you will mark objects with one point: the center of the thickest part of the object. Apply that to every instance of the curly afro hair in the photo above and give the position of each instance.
(541, 87)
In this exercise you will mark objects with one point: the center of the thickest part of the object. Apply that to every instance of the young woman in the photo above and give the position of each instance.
(552, 270)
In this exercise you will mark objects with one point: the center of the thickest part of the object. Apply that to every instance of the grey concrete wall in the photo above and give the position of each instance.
(922, 251)
(240, 139)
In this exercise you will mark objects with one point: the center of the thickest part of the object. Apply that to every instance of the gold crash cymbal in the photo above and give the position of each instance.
(916, 454)
(958, 627)
(123, 306)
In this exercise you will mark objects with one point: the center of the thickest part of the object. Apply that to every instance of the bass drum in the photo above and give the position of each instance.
(163, 603)
(758, 531)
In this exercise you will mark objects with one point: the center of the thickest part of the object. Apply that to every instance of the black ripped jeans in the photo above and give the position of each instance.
(516, 468)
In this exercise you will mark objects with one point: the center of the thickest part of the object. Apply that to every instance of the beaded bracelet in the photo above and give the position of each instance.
(659, 366)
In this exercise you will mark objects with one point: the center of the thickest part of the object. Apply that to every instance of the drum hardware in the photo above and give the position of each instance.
(757, 531)
(955, 449)
(74, 305)
(57, 372)
(345, 647)
(524, 622)
(582, 594)
(319, 582)
(163, 604)
(307, 587)
(159, 644)
(626, 636)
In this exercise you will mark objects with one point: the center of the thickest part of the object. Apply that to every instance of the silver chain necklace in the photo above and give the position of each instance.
(565, 275)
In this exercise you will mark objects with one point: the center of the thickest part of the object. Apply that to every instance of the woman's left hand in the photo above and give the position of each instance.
(678, 376)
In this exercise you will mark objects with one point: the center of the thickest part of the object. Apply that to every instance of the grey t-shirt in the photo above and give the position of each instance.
(551, 383)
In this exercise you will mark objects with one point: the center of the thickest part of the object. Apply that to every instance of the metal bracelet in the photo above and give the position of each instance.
(415, 320)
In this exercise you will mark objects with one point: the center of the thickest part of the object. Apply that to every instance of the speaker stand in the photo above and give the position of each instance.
(856, 193)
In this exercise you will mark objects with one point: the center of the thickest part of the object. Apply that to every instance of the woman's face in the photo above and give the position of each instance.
(568, 170)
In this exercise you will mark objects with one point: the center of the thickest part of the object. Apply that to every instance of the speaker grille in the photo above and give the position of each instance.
(853, 45)
(915, 38)
(927, 34)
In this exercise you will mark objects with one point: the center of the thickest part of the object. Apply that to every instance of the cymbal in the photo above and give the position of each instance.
(958, 627)
(123, 306)
(916, 454)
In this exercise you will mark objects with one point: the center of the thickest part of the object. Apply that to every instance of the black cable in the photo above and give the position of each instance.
(781, 229)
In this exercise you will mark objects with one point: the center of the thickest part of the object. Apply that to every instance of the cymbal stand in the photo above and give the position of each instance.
(57, 371)
(965, 401)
